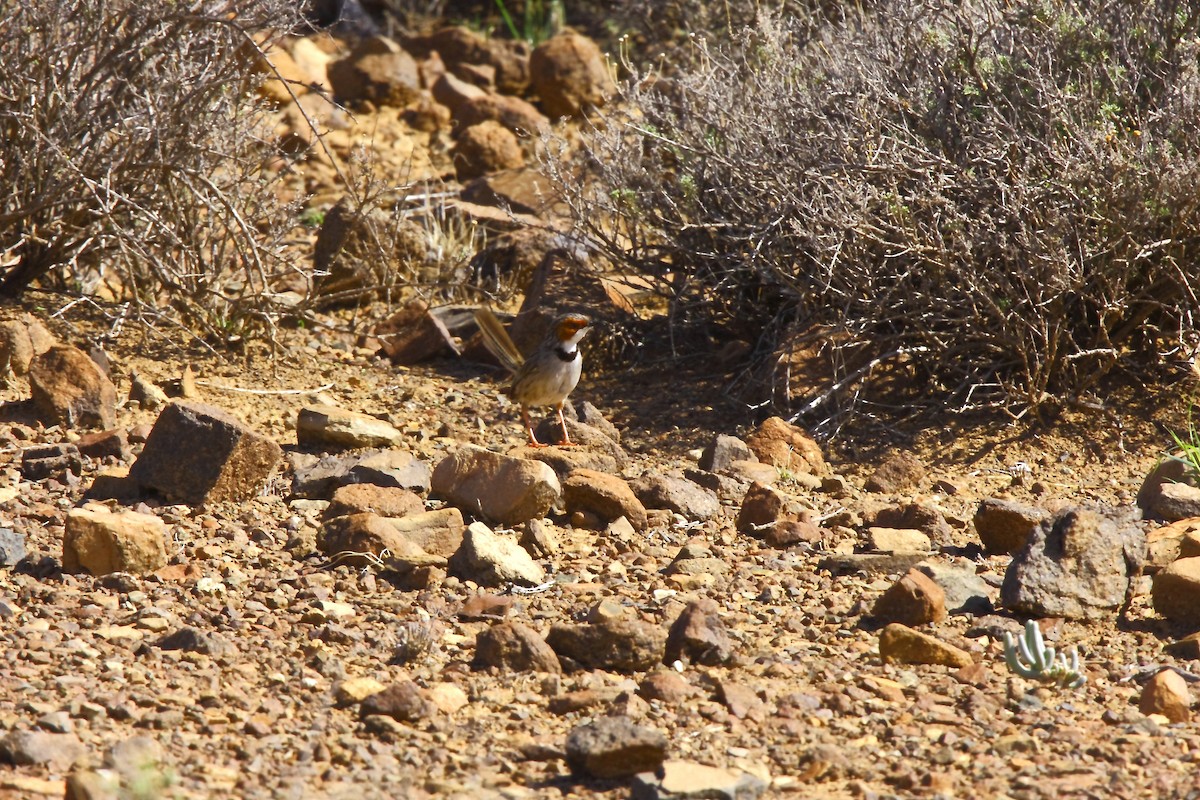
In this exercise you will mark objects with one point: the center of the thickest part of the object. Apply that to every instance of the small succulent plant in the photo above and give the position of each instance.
(1029, 657)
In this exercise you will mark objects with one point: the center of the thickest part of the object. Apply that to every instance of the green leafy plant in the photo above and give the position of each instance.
(1029, 657)
(1187, 447)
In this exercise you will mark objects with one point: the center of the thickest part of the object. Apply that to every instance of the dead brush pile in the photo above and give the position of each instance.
(1001, 196)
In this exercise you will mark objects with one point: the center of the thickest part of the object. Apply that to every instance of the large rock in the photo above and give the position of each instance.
(570, 75)
(1004, 526)
(513, 647)
(459, 46)
(375, 71)
(320, 477)
(606, 496)
(762, 507)
(615, 747)
(783, 445)
(613, 644)
(679, 495)
(515, 114)
(438, 533)
(1076, 565)
(70, 389)
(912, 600)
(101, 541)
(722, 451)
(499, 488)
(1171, 471)
(493, 560)
(198, 454)
(484, 148)
(1175, 592)
(1167, 693)
(902, 644)
(320, 426)
(58, 750)
(896, 473)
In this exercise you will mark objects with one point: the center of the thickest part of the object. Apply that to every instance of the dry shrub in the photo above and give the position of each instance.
(133, 156)
(1001, 195)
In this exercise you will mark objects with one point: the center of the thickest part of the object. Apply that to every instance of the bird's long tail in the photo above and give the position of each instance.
(497, 340)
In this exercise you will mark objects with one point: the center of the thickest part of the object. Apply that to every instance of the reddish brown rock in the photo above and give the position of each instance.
(484, 148)
(699, 636)
(1167, 693)
(898, 472)
(762, 507)
(70, 389)
(606, 496)
(513, 647)
(375, 71)
(912, 600)
(780, 444)
(570, 75)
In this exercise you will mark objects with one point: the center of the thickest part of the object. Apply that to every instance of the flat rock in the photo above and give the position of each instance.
(328, 426)
(565, 460)
(902, 644)
(699, 636)
(679, 495)
(364, 498)
(617, 645)
(897, 540)
(1076, 565)
(490, 559)
(401, 701)
(70, 389)
(615, 747)
(318, 478)
(513, 647)
(915, 599)
(438, 533)
(500, 488)
(101, 541)
(1171, 470)
(1177, 501)
(199, 454)
(690, 780)
(870, 563)
(58, 750)
(606, 496)
(914, 516)
(965, 591)
(1165, 544)
(1004, 526)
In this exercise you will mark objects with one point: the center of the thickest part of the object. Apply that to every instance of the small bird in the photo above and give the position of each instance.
(549, 374)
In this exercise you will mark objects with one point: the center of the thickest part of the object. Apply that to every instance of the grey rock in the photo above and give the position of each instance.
(319, 478)
(1076, 565)
(689, 780)
(1176, 501)
(966, 592)
(615, 747)
(194, 640)
(44, 461)
(722, 451)
(12, 547)
(680, 495)
(493, 560)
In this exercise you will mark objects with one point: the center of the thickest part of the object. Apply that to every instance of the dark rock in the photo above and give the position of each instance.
(513, 647)
(615, 747)
(914, 516)
(722, 451)
(12, 547)
(199, 454)
(194, 640)
(45, 461)
(570, 75)
(762, 507)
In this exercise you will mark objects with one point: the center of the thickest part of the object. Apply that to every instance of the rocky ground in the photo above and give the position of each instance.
(329, 576)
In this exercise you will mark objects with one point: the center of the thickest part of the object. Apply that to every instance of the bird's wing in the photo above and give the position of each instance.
(497, 340)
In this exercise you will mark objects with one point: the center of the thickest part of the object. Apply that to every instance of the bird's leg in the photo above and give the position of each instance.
(566, 442)
(533, 442)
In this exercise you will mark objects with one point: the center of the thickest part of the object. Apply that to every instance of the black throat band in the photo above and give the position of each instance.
(563, 355)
